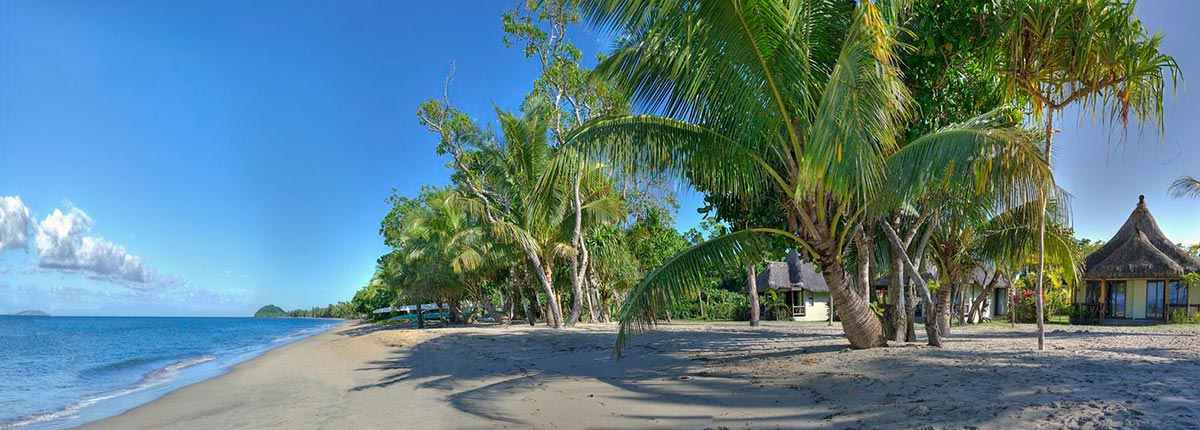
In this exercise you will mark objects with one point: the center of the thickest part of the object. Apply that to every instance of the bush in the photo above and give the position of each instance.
(718, 305)
(1179, 316)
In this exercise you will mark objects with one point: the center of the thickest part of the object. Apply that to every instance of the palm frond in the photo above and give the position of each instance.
(683, 274)
(1186, 186)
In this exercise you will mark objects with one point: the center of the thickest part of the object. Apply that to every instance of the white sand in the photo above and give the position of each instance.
(696, 376)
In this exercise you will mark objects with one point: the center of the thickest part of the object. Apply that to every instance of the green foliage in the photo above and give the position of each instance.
(719, 305)
(270, 311)
(1192, 280)
(338, 310)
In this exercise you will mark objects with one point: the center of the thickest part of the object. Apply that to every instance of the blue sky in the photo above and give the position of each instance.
(212, 157)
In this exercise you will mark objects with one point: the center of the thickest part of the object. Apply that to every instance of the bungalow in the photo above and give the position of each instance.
(995, 305)
(1136, 275)
(801, 286)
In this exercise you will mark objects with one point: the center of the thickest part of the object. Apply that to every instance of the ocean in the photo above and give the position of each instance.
(58, 372)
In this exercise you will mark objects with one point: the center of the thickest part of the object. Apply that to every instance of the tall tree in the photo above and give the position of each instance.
(1094, 54)
(798, 100)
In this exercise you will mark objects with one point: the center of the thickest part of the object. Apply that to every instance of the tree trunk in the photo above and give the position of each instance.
(456, 312)
(580, 260)
(576, 293)
(898, 307)
(910, 329)
(554, 311)
(1041, 328)
(978, 303)
(420, 316)
(866, 251)
(591, 305)
(595, 283)
(859, 322)
(753, 295)
(918, 283)
(945, 296)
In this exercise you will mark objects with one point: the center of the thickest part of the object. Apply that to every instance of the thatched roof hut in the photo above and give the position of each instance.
(1139, 250)
(981, 276)
(791, 275)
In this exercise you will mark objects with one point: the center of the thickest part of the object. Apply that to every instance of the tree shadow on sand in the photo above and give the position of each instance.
(701, 376)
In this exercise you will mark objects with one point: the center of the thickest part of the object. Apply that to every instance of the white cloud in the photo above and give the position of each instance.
(14, 223)
(63, 244)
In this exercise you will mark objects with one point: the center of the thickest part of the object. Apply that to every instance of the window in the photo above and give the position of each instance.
(1178, 293)
(1116, 299)
(1154, 299)
(1092, 293)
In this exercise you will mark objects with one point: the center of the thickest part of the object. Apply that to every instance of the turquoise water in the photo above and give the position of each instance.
(60, 372)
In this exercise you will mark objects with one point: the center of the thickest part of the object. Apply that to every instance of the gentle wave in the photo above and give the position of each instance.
(124, 364)
(155, 377)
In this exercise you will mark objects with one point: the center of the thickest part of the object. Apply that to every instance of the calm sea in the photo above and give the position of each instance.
(60, 372)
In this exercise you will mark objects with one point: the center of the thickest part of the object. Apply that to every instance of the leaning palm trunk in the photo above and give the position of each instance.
(977, 304)
(863, 329)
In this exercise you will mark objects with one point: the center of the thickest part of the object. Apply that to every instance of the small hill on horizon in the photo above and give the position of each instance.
(270, 311)
(31, 313)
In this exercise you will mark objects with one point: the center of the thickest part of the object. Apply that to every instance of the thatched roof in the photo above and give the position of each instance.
(1139, 250)
(981, 276)
(789, 275)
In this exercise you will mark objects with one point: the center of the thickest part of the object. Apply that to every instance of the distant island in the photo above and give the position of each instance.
(270, 311)
(340, 310)
(31, 313)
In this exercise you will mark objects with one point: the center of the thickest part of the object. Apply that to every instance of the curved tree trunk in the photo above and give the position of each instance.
(978, 303)
(579, 260)
(859, 322)
(546, 278)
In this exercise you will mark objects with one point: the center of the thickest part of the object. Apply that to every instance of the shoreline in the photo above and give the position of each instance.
(183, 371)
(158, 393)
(694, 375)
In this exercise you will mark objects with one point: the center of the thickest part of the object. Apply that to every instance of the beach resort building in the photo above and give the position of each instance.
(1137, 275)
(799, 284)
(995, 304)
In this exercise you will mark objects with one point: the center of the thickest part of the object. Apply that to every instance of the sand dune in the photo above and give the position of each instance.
(785, 375)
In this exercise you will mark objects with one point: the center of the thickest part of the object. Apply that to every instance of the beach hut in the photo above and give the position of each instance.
(801, 286)
(1136, 275)
(996, 302)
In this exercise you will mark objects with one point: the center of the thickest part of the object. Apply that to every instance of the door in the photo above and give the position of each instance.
(1116, 299)
(999, 302)
(1154, 299)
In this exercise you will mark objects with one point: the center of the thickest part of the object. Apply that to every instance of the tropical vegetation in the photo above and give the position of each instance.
(874, 139)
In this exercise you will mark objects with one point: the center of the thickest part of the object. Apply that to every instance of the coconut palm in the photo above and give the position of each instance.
(1186, 186)
(1094, 54)
(800, 101)
(971, 235)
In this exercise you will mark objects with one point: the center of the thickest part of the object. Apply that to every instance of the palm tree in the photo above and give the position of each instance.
(1186, 186)
(1092, 53)
(972, 235)
(799, 101)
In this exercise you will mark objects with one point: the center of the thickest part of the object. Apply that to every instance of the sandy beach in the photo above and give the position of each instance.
(697, 376)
